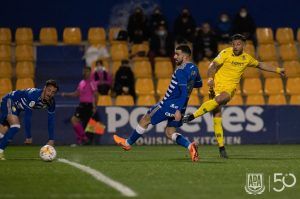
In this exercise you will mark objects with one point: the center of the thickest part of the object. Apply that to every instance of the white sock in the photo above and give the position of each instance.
(1, 150)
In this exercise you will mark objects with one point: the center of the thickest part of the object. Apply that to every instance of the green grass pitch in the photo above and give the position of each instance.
(151, 171)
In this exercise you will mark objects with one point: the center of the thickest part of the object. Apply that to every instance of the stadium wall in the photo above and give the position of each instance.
(242, 125)
(85, 14)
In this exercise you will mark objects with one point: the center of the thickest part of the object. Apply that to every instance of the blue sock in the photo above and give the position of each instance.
(133, 138)
(180, 140)
(8, 136)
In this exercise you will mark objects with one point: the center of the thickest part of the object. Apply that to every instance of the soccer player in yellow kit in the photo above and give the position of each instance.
(224, 74)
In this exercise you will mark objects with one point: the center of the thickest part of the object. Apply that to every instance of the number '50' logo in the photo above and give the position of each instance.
(279, 178)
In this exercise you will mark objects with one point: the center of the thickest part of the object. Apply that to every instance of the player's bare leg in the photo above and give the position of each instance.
(139, 130)
(3, 130)
(14, 123)
(180, 140)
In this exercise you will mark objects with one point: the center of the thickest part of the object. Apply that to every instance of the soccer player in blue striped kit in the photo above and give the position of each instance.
(173, 106)
(26, 100)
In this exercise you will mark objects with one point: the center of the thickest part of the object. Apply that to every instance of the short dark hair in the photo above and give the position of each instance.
(99, 62)
(238, 37)
(52, 82)
(185, 49)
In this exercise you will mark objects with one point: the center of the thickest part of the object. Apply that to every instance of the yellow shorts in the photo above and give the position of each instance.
(219, 88)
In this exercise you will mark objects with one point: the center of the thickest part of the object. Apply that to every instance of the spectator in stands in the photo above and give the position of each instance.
(161, 43)
(244, 24)
(157, 19)
(205, 45)
(184, 27)
(103, 78)
(88, 97)
(137, 26)
(94, 53)
(124, 80)
(224, 28)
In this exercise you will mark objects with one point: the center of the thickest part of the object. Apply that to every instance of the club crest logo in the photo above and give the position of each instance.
(31, 104)
(255, 183)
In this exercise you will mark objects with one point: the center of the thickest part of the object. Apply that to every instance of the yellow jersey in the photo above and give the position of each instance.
(231, 67)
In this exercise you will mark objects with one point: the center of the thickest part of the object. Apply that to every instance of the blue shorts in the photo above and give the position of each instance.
(158, 114)
(7, 107)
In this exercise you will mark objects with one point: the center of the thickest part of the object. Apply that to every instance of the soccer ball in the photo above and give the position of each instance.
(47, 153)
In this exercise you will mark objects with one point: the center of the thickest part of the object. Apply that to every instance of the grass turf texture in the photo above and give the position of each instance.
(151, 171)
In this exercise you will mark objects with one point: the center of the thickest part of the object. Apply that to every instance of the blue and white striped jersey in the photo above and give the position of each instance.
(184, 79)
(29, 99)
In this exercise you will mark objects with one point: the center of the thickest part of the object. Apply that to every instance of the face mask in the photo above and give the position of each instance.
(243, 14)
(224, 19)
(161, 33)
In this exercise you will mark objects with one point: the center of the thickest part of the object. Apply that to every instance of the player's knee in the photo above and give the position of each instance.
(222, 99)
(169, 132)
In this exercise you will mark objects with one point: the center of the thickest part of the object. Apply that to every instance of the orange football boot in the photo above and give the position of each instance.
(121, 142)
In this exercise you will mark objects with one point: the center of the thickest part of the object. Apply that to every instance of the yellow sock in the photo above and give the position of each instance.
(206, 107)
(219, 131)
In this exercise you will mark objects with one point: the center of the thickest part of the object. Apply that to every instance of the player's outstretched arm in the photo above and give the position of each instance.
(268, 68)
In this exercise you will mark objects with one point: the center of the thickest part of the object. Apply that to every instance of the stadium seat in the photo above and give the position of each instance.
(203, 67)
(5, 53)
(292, 68)
(273, 86)
(251, 72)
(195, 91)
(236, 100)
(252, 86)
(255, 100)
(142, 69)
(124, 100)
(264, 36)
(24, 83)
(284, 35)
(5, 36)
(163, 69)
(140, 48)
(97, 36)
(267, 74)
(104, 100)
(292, 86)
(222, 46)
(146, 100)
(24, 53)
(250, 49)
(162, 86)
(5, 86)
(113, 33)
(24, 36)
(115, 66)
(157, 59)
(5, 70)
(288, 52)
(48, 36)
(267, 52)
(295, 100)
(119, 51)
(144, 86)
(194, 101)
(204, 88)
(277, 99)
(25, 70)
(72, 35)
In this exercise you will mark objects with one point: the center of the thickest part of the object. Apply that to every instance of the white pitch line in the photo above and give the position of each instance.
(126, 191)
